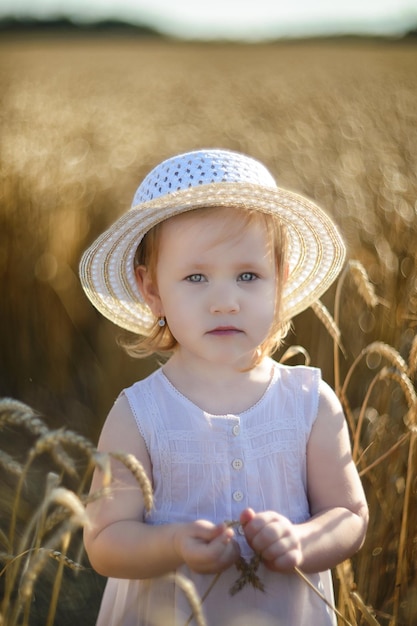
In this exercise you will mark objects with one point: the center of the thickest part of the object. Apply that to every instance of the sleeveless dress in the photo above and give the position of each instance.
(212, 467)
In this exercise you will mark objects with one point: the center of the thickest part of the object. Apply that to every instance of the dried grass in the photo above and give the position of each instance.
(59, 513)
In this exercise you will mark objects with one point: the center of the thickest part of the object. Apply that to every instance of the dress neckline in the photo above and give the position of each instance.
(171, 387)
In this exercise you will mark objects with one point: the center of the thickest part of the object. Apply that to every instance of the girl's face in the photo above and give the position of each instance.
(216, 285)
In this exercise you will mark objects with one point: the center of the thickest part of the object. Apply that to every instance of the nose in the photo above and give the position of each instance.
(224, 300)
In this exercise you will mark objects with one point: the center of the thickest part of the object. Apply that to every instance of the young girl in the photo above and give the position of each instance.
(249, 460)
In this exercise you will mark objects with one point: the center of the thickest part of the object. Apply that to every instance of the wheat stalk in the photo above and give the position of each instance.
(405, 383)
(37, 563)
(404, 528)
(4, 539)
(409, 393)
(9, 464)
(136, 468)
(248, 575)
(65, 541)
(102, 461)
(366, 613)
(15, 413)
(49, 441)
(344, 572)
(412, 358)
(323, 314)
(188, 587)
(386, 454)
(293, 351)
(52, 481)
(68, 499)
(77, 518)
(320, 595)
(104, 492)
(366, 291)
(364, 286)
(384, 350)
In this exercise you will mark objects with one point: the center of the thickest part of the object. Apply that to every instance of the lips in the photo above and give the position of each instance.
(225, 331)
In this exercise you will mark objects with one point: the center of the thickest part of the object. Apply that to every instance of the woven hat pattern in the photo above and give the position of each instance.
(203, 179)
(201, 168)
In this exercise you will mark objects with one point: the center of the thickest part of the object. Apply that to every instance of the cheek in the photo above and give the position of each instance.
(267, 306)
(181, 323)
(177, 308)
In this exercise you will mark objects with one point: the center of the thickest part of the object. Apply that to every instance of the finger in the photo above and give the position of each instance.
(284, 562)
(225, 554)
(264, 531)
(208, 532)
(222, 534)
(246, 516)
(203, 529)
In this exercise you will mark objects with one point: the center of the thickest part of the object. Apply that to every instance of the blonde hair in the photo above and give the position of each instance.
(160, 340)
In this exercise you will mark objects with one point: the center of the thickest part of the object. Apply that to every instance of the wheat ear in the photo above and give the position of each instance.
(412, 358)
(9, 464)
(384, 350)
(15, 413)
(293, 351)
(134, 466)
(365, 287)
(325, 317)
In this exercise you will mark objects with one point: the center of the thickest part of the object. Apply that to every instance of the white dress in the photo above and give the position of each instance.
(212, 467)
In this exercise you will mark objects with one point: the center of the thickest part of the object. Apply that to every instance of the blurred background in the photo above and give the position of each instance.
(93, 95)
(232, 20)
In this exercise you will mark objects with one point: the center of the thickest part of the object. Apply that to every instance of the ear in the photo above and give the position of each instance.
(149, 290)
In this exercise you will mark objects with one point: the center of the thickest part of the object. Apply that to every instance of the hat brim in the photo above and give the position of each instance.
(316, 249)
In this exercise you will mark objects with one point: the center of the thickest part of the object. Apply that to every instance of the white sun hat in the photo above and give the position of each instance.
(209, 178)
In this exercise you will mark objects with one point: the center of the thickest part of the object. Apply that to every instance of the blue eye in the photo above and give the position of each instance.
(195, 278)
(247, 277)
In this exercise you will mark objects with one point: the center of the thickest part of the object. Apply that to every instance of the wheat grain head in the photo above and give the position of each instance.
(52, 441)
(364, 286)
(324, 315)
(15, 413)
(293, 351)
(136, 468)
(9, 464)
(412, 358)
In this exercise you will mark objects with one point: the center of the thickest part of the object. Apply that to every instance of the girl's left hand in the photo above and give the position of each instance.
(274, 538)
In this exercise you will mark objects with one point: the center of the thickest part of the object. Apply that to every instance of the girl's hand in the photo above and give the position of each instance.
(205, 547)
(274, 538)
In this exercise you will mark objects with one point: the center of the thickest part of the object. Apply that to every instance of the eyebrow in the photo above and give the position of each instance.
(244, 263)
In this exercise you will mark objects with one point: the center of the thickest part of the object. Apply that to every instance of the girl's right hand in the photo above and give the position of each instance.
(205, 547)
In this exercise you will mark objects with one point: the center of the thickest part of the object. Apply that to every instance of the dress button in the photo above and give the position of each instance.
(236, 430)
(238, 496)
(237, 464)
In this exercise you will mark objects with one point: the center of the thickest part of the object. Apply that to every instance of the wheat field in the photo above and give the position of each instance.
(81, 122)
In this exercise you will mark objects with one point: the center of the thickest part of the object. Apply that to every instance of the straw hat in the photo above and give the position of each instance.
(207, 178)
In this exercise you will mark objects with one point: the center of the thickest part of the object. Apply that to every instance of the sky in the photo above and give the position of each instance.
(235, 19)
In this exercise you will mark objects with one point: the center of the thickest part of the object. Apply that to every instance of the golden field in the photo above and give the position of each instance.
(81, 122)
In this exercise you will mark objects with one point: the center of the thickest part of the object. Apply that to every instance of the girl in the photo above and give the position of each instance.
(249, 460)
